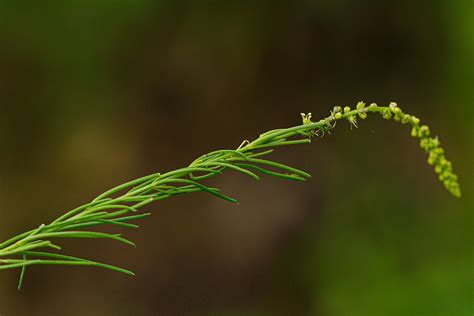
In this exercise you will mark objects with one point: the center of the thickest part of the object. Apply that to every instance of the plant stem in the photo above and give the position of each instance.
(110, 207)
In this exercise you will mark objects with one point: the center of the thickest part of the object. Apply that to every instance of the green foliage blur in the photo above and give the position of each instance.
(94, 93)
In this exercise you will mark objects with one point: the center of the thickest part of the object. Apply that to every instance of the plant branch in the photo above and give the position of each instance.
(114, 206)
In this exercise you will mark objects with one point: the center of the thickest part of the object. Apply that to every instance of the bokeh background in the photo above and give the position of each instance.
(94, 93)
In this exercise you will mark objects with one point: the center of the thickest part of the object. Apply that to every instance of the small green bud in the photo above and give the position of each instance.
(372, 105)
(405, 119)
(347, 109)
(425, 144)
(397, 118)
(456, 192)
(414, 132)
(363, 115)
(432, 158)
(448, 183)
(394, 108)
(338, 115)
(387, 114)
(306, 118)
(336, 109)
(443, 162)
(360, 105)
(415, 120)
(424, 131)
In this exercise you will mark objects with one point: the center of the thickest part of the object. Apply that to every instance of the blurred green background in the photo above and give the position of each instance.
(94, 93)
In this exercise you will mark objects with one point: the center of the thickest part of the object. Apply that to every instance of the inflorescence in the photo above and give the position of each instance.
(431, 145)
(120, 205)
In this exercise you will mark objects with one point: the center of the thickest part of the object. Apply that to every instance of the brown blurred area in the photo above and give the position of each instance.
(96, 93)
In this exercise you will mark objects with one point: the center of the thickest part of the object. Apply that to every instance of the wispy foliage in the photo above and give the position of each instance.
(121, 205)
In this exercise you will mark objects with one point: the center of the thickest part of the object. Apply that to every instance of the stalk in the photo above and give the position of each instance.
(122, 204)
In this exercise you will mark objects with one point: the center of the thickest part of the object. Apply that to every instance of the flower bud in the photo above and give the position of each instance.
(306, 118)
(443, 162)
(353, 120)
(424, 131)
(395, 110)
(425, 144)
(415, 120)
(347, 109)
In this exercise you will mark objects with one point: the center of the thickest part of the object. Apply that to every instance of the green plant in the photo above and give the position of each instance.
(121, 204)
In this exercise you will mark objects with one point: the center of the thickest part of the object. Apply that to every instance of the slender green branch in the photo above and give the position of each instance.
(113, 206)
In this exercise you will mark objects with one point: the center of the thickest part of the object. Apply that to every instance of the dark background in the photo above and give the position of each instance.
(94, 93)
